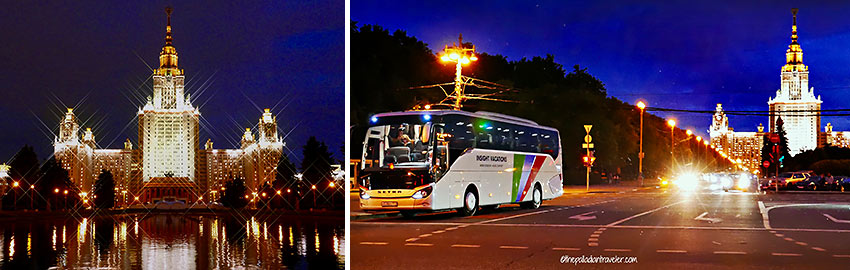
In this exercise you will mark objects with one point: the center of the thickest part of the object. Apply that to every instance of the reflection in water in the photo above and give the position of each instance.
(169, 241)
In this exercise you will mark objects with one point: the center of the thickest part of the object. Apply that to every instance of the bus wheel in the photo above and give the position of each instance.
(408, 214)
(536, 198)
(470, 203)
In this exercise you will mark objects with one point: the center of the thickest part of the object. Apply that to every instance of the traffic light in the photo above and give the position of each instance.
(588, 161)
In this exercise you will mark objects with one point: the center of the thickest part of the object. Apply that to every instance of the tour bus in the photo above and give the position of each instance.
(435, 160)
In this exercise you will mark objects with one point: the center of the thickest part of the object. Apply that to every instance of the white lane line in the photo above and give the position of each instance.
(594, 235)
(786, 254)
(451, 229)
(788, 239)
(592, 239)
(592, 244)
(374, 243)
(532, 213)
(418, 244)
(780, 235)
(642, 214)
(531, 225)
(440, 231)
(801, 243)
(465, 246)
(425, 235)
(835, 219)
(513, 247)
(764, 217)
(566, 249)
(841, 256)
(819, 249)
(730, 253)
(671, 251)
(617, 249)
(412, 239)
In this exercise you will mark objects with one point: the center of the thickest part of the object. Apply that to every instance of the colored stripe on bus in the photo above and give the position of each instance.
(518, 162)
(538, 162)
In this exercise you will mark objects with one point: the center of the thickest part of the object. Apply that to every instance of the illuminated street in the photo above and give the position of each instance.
(676, 230)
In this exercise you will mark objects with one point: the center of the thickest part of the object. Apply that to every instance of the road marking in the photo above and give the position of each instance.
(801, 243)
(710, 220)
(465, 246)
(788, 239)
(818, 249)
(617, 249)
(592, 244)
(566, 249)
(641, 214)
(780, 235)
(835, 219)
(451, 229)
(425, 235)
(412, 239)
(596, 226)
(592, 239)
(730, 253)
(440, 231)
(764, 217)
(513, 247)
(584, 216)
(418, 244)
(841, 256)
(374, 243)
(594, 235)
(671, 251)
(786, 254)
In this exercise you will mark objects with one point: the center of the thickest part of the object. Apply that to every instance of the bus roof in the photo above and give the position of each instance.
(478, 114)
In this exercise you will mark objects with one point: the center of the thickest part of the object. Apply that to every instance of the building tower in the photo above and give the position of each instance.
(794, 100)
(168, 123)
(719, 123)
(74, 153)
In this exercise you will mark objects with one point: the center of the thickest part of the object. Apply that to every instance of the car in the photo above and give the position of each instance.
(788, 180)
(739, 181)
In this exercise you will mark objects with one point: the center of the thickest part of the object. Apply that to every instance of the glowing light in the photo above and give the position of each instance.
(332, 185)
(428, 106)
(641, 105)
(445, 58)
(65, 192)
(278, 192)
(374, 119)
(55, 190)
(699, 138)
(473, 58)
(15, 184)
(464, 60)
(314, 186)
(689, 132)
(671, 123)
(454, 56)
(426, 117)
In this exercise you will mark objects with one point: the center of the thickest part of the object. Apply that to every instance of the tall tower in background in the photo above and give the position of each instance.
(168, 123)
(261, 157)
(795, 98)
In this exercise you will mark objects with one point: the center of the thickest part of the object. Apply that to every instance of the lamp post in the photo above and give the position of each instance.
(642, 107)
(65, 203)
(672, 124)
(15, 189)
(32, 197)
(461, 56)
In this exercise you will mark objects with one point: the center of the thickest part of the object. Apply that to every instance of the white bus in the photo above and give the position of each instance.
(447, 159)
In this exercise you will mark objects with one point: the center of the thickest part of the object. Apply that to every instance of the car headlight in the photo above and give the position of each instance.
(422, 193)
(364, 195)
(743, 183)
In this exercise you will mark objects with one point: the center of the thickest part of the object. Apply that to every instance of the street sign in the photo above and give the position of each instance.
(774, 138)
(588, 127)
(766, 164)
(587, 145)
(587, 138)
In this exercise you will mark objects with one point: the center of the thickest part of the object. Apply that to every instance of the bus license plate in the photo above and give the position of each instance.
(389, 204)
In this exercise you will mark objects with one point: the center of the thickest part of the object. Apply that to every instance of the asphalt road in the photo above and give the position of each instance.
(655, 228)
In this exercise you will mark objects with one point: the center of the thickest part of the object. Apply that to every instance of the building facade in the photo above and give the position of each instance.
(744, 148)
(795, 101)
(168, 164)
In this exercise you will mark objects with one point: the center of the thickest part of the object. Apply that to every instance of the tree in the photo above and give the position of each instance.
(316, 168)
(783, 138)
(24, 169)
(234, 194)
(54, 182)
(104, 190)
(285, 181)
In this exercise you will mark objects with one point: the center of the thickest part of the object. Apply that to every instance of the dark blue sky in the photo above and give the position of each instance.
(238, 59)
(675, 54)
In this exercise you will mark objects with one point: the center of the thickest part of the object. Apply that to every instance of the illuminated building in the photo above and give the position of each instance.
(745, 146)
(833, 138)
(794, 100)
(168, 164)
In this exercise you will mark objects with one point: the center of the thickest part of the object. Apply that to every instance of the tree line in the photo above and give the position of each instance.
(384, 66)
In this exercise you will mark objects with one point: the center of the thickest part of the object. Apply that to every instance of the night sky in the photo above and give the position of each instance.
(238, 59)
(683, 55)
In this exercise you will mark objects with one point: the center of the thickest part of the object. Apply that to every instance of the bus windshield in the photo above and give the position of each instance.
(402, 145)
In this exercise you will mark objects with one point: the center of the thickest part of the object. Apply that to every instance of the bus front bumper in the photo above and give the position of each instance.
(395, 204)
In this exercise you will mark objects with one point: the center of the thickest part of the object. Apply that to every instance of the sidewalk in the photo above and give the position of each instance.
(622, 187)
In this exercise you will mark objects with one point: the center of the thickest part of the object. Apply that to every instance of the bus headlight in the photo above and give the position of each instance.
(743, 183)
(364, 195)
(422, 193)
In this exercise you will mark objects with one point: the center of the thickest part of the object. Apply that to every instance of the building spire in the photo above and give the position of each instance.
(794, 54)
(168, 11)
(168, 55)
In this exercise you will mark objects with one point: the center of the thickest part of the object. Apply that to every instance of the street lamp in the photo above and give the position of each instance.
(642, 107)
(462, 56)
(672, 124)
